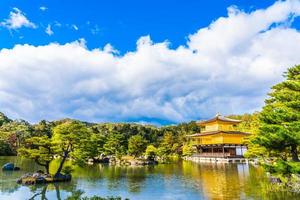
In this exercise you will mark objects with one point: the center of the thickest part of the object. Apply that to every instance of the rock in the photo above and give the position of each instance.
(40, 179)
(17, 168)
(36, 175)
(105, 160)
(19, 181)
(47, 175)
(27, 175)
(90, 161)
(273, 179)
(8, 167)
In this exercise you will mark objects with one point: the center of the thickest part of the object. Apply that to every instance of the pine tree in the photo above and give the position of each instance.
(280, 118)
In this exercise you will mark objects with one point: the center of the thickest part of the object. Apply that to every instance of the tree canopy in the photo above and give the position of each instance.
(67, 139)
(136, 145)
(280, 117)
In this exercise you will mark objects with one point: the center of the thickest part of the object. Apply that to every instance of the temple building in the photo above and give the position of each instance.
(219, 138)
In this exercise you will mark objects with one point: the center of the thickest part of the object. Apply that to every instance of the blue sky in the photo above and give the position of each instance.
(130, 61)
(117, 22)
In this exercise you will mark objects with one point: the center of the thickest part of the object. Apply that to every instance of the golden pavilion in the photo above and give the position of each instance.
(219, 138)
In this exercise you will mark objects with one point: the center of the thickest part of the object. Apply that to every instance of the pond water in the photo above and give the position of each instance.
(181, 180)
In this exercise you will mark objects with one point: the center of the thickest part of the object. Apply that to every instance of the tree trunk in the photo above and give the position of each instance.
(294, 153)
(47, 167)
(61, 163)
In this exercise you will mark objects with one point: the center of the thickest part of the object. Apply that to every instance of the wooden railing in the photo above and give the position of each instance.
(215, 155)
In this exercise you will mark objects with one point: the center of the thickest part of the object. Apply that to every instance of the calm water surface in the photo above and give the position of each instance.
(182, 181)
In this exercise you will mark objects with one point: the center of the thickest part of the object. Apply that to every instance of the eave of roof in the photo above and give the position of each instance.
(217, 132)
(220, 118)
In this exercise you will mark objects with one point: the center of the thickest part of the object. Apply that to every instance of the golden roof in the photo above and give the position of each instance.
(218, 117)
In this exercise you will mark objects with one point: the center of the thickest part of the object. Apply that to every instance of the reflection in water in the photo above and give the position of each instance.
(40, 191)
(221, 180)
(136, 177)
(183, 180)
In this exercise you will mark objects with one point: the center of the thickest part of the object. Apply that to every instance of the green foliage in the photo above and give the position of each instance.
(151, 152)
(82, 141)
(168, 145)
(67, 169)
(102, 198)
(250, 124)
(43, 128)
(280, 118)
(14, 133)
(187, 150)
(295, 167)
(5, 149)
(116, 144)
(92, 148)
(69, 135)
(68, 139)
(283, 167)
(4, 119)
(40, 149)
(77, 195)
(136, 145)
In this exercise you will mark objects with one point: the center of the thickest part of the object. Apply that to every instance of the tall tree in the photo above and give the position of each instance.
(40, 149)
(14, 133)
(168, 145)
(136, 145)
(91, 148)
(151, 152)
(116, 144)
(280, 118)
(67, 137)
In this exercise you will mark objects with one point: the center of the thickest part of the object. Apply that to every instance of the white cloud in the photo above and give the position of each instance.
(227, 67)
(48, 30)
(75, 27)
(16, 20)
(43, 8)
(58, 24)
(95, 30)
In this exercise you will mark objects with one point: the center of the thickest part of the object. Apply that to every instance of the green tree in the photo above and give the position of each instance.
(168, 145)
(280, 118)
(250, 124)
(43, 128)
(187, 150)
(67, 138)
(5, 149)
(116, 144)
(40, 149)
(14, 133)
(4, 119)
(136, 145)
(151, 152)
(91, 148)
